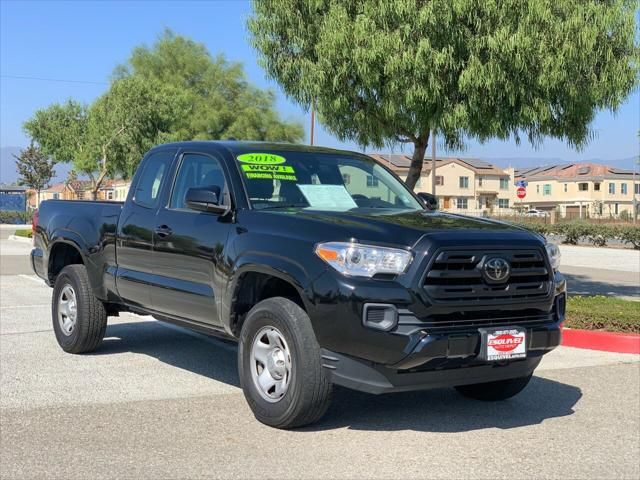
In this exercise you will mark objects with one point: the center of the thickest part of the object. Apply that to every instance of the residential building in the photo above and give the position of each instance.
(115, 190)
(581, 190)
(462, 184)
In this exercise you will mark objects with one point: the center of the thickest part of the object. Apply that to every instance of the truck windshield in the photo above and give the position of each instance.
(320, 181)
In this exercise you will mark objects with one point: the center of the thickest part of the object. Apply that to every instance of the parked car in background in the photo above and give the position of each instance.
(536, 213)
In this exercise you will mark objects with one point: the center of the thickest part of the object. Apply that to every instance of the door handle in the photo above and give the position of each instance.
(163, 231)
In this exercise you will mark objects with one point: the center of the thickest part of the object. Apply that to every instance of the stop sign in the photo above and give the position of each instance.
(521, 192)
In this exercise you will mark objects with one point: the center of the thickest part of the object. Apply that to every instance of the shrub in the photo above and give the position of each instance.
(630, 234)
(574, 231)
(15, 217)
(24, 233)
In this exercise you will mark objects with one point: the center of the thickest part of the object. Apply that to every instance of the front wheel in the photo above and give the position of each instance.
(279, 364)
(494, 391)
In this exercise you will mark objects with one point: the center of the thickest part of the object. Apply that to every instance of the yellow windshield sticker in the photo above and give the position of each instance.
(271, 176)
(268, 168)
(269, 172)
(261, 158)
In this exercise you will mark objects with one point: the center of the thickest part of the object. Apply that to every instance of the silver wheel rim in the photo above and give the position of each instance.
(67, 310)
(270, 364)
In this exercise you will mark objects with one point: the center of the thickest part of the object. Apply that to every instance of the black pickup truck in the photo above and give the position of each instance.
(322, 265)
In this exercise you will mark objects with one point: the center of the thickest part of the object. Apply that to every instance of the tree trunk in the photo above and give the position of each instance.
(420, 147)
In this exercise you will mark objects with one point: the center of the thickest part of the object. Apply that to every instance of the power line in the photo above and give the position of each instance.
(44, 79)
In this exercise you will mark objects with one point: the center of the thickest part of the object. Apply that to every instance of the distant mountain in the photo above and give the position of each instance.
(627, 163)
(9, 175)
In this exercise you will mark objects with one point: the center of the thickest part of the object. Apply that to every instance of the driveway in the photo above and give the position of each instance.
(156, 401)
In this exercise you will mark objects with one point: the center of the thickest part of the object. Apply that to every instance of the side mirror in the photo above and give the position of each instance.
(205, 199)
(430, 201)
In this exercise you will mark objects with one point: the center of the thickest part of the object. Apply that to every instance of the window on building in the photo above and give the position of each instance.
(612, 188)
(583, 187)
(537, 188)
(346, 178)
(504, 184)
(464, 182)
(110, 195)
(637, 188)
(479, 181)
(546, 189)
(616, 209)
(503, 203)
(56, 196)
(596, 187)
(439, 180)
(372, 181)
(462, 203)
(623, 188)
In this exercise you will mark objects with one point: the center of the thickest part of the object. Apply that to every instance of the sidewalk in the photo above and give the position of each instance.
(622, 260)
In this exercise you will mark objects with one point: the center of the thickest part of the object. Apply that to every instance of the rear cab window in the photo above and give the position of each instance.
(149, 185)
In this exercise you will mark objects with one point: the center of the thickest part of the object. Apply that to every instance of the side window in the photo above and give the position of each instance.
(198, 171)
(148, 187)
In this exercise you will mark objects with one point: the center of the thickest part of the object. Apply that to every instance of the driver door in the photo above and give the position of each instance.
(189, 246)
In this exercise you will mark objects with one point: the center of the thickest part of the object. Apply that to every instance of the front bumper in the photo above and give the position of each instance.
(371, 378)
(413, 356)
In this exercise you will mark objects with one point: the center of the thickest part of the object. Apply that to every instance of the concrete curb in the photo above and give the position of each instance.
(598, 340)
(15, 238)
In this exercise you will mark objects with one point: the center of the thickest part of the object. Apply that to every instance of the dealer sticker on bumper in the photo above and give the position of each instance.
(504, 344)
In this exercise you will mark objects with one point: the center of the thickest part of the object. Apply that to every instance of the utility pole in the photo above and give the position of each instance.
(633, 190)
(313, 122)
(433, 162)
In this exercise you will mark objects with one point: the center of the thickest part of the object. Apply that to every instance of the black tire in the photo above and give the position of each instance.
(91, 317)
(494, 391)
(309, 389)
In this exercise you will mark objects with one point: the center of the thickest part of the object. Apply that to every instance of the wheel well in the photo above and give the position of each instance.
(253, 287)
(62, 254)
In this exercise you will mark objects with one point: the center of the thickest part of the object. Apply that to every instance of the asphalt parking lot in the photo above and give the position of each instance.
(156, 401)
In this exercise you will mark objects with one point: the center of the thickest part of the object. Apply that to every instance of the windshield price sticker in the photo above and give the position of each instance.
(261, 158)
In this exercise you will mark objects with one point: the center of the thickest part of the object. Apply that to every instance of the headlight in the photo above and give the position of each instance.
(363, 260)
(554, 255)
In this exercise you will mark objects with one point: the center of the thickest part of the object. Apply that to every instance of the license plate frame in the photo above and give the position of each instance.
(495, 343)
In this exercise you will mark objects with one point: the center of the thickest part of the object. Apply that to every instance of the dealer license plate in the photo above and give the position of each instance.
(503, 344)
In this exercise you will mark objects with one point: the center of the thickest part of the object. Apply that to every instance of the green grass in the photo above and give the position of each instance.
(603, 313)
(23, 233)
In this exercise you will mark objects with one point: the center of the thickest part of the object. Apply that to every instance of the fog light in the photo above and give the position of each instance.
(379, 316)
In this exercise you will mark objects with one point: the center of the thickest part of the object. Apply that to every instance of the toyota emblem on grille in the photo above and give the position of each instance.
(496, 269)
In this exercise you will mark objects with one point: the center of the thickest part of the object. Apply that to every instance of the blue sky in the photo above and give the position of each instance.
(85, 40)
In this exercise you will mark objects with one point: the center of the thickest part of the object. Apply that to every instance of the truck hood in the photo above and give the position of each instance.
(405, 228)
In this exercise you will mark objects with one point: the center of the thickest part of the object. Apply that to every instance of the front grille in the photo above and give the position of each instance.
(455, 276)
(463, 321)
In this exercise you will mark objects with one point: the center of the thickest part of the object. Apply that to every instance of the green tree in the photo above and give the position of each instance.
(111, 135)
(220, 102)
(35, 169)
(125, 122)
(60, 130)
(388, 71)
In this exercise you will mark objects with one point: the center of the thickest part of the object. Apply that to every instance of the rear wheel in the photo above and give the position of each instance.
(494, 391)
(79, 318)
(280, 367)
